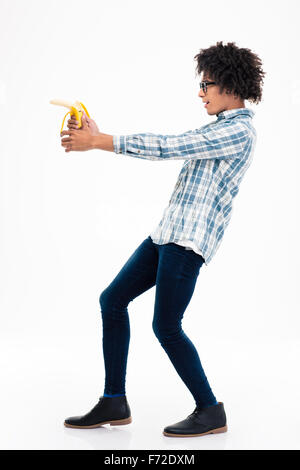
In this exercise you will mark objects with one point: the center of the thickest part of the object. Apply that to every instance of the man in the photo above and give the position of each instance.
(216, 157)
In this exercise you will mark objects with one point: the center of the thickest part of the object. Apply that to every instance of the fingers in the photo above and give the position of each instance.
(72, 123)
(66, 143)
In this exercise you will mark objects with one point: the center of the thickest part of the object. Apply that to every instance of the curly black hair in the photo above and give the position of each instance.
(238, 70)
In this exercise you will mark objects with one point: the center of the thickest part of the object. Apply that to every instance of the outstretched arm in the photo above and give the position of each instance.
(112, 143)
(218, 141)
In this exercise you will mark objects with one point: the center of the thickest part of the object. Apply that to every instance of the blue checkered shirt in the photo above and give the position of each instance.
(216, 157)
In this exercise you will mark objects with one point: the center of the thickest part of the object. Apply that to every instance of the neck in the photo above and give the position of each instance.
(239, 104)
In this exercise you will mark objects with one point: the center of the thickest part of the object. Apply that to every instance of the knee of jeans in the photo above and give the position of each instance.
(166, 335)
(158, 329)
(104, 299)
(112, 306)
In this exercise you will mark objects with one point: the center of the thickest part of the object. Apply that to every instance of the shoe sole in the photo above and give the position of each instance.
(213, 431)
(118, 422)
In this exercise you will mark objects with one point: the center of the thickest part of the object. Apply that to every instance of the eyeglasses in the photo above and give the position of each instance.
(203, 85)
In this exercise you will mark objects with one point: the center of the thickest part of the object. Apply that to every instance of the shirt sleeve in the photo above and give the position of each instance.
(217, 141)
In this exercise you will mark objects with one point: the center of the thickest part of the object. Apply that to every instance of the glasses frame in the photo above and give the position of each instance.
(203, 85)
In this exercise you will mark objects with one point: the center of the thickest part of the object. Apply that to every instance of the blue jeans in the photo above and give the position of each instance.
(174, 271)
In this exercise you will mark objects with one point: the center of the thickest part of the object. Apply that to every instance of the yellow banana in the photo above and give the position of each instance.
(76, 109)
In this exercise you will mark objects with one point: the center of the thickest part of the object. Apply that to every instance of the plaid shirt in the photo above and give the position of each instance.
(216, 157)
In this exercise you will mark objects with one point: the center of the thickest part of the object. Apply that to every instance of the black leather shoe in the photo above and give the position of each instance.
(109, 410)
(210, 420)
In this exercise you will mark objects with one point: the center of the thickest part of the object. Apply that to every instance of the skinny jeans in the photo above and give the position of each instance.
(174, 271)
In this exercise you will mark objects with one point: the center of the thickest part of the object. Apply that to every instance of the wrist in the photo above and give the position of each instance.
(96, 141)
(103, 142)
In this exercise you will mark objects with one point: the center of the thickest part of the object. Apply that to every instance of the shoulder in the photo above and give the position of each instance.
(226, 129)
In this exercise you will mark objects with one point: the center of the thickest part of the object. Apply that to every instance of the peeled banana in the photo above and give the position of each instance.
(76, 109)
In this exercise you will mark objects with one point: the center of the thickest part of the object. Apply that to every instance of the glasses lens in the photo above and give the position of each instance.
(203, 86)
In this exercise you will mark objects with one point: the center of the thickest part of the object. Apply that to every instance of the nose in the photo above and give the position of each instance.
(201, 93)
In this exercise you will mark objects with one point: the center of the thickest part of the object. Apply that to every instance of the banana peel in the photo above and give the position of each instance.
(76, 109)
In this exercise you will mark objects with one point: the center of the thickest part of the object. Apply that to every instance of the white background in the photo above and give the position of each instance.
(69, 221)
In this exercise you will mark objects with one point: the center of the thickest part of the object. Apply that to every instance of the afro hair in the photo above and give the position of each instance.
(235, 69)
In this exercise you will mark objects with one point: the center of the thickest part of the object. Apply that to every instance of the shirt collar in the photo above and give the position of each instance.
(230, 113)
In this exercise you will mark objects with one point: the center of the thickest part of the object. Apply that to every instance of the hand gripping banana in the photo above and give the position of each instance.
(76, 109)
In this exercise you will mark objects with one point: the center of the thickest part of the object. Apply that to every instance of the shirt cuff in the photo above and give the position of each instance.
(119, 143)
